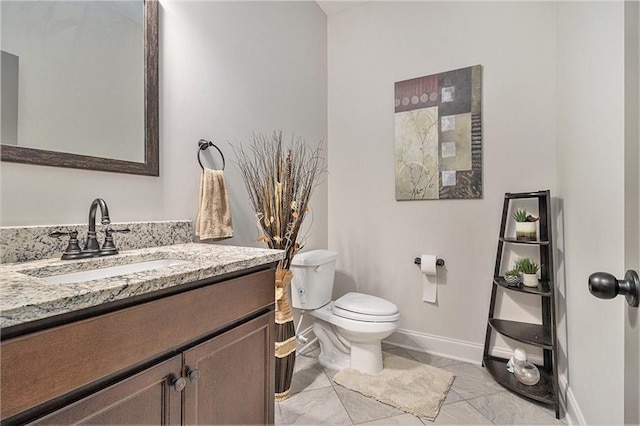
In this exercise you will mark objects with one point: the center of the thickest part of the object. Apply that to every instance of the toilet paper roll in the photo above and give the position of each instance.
(429, 277)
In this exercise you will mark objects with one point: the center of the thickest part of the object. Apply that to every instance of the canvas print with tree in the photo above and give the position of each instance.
(438, 136)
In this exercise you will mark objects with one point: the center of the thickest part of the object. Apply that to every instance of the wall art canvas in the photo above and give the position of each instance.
(438, 136)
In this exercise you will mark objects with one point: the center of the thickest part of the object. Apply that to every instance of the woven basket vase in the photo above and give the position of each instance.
(285, 336)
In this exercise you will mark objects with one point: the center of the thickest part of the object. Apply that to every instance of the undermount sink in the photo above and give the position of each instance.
(113, 271)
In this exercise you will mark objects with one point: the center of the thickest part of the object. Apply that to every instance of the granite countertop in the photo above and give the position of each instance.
(25, 296)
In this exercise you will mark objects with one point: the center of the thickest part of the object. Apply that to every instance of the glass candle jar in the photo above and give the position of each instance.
(525, 372)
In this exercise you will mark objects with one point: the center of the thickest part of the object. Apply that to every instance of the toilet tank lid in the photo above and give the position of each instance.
(313, 258)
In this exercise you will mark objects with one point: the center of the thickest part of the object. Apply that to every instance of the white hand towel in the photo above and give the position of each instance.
(214, 214)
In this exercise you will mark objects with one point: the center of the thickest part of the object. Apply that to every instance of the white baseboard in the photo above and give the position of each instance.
(573, 414)
(447, 347)
(437, 345)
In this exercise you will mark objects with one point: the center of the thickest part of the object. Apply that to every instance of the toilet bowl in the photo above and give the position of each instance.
(349, 329)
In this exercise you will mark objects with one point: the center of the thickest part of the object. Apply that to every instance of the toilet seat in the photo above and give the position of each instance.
(326, 314)
(364, 307)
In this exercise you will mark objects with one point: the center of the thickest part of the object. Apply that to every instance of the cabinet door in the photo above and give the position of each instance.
(144, 399)
(232, 376)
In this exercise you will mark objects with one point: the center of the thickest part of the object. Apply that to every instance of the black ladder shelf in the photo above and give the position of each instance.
(540, 335)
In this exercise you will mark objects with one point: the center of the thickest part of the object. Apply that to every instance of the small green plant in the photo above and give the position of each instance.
(513, 272)
(526, 265)
(520, 215)
(512, 277)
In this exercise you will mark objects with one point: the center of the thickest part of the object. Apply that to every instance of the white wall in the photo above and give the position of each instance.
(590, 176)
(371, 47)
(226, 69)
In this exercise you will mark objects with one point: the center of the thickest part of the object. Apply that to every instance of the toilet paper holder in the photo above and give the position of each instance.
(439, 262)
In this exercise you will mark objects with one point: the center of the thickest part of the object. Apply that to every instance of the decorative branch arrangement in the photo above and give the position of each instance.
(280, 181)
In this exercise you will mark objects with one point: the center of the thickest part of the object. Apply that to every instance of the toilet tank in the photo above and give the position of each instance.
(312, 284)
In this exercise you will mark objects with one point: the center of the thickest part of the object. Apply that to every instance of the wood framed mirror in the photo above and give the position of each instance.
(150, 157)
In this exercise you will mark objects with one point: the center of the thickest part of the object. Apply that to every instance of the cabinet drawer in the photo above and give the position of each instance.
(44, 365)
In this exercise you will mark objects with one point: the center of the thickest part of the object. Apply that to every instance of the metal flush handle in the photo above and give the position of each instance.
(606, 286)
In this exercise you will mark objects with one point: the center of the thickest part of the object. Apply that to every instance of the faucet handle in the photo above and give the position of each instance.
(73, 247)
(108, 231)
(57, 234)
(109, 246)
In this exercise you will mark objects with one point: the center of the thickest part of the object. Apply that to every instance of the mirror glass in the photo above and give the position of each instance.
(79, 84)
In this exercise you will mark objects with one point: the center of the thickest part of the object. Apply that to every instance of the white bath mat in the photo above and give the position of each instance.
(408, 385)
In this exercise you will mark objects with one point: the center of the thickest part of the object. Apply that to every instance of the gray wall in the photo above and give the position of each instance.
(371, 47)
(632, 206)
(590, 177)
(10, 66)
(543, 128)
(226, 69)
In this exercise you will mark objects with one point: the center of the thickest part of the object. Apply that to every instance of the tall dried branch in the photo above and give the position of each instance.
(280, 181)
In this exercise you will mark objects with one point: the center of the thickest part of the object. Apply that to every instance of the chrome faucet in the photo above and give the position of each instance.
(91, 245)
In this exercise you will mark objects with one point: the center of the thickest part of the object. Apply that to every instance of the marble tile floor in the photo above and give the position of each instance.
(474, 399)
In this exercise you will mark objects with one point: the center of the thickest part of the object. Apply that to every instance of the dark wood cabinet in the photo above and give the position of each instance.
(147, 398)
(203, 355)
(229, 377)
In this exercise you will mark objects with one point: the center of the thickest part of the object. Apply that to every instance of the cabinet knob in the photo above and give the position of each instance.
(193, 375)
(179, 384)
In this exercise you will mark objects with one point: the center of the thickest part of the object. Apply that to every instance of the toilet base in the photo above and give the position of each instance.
(333, 363)
(334, 352)
(337, 353)
(367, 357)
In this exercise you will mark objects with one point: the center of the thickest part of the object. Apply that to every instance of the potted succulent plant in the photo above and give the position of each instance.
(512, 277)
(525, 225)
(529, 270)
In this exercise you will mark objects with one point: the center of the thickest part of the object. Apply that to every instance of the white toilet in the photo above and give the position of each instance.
(351, 328)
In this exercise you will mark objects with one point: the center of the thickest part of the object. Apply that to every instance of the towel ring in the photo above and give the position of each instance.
(204, 144)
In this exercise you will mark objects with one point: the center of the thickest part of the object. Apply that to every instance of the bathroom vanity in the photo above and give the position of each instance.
(189, 343)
